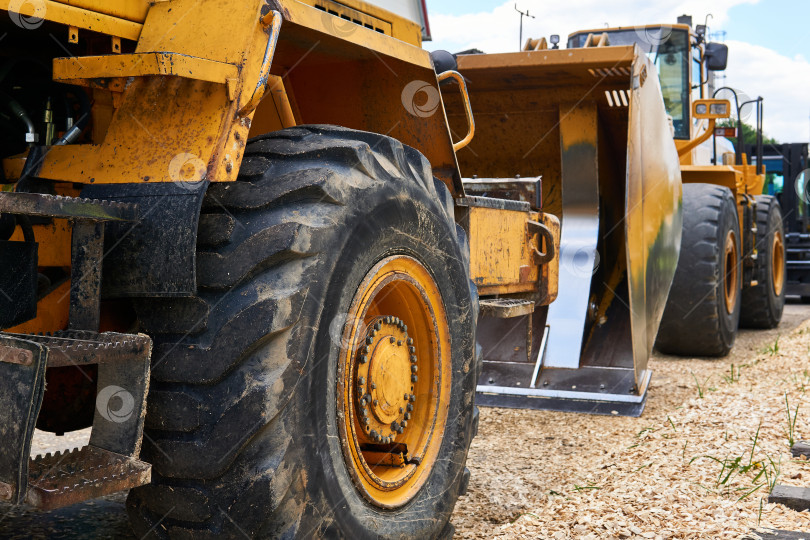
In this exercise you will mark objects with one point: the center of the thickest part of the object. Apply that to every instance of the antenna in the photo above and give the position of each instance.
(522, 14)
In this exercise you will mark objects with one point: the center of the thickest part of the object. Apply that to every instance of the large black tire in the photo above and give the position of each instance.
(241, 420)
(763, 303)
(696, 320)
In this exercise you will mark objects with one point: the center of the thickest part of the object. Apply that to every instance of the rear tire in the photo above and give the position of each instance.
(703, 308)
(762, 305)
(243, 420)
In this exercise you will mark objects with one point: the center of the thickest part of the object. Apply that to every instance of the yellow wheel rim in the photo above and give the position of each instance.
(393, 381)
(778, 263)
(730, 267)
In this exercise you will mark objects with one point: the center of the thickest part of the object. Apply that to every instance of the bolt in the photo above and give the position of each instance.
(411, 350)
(399, 343)
(414, 378)
(401, 410)
(414, 368)
(373, 386)
(362, 401)
(374, 434)
(409, 407)
(373, 333)
(396, 321)
(363, 358)
(237, 135)
(365, 420)
(413, 358)
(364, 349)
(392, 339)
(405, 328)
(406, 396)
(394, 425)
(411, 398)
(377, 326)
(545, 383)
(404, 424)
(362, 381)
(407, 416)
(601, 387)
(369, 340)
(409, 341)
(376, 402)
(363, 412)
(229, 166)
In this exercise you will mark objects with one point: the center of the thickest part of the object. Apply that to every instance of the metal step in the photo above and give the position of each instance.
(65, 478)
(110, 463)
(505, 308)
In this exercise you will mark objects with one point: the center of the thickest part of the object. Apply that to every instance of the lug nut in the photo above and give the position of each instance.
(405, 328)
(363, 358)
(409, 341)
(400, 429)
(409, 407)
(411, 398)
(377, 326)
(413, 358)
(414, 368)
(406, 396)
(404, 424)
(369, 340)
(374, 435)
(376, 402)
(399, 343)
(392, 339)
(414, 378)
(407, 416)
(373, 386)
(364, 349)
(411, 350)
(362, 381)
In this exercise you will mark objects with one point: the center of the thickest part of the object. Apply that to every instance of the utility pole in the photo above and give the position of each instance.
(522, 14)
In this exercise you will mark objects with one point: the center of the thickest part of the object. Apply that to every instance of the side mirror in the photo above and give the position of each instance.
(711, 109)
(716, 56)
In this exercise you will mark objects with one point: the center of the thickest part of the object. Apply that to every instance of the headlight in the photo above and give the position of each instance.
(700, 108)
(719, 109)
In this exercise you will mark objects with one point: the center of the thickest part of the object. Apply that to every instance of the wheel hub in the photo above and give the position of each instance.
(386, 371)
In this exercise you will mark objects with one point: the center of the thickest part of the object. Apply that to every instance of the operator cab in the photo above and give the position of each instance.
(682, 57)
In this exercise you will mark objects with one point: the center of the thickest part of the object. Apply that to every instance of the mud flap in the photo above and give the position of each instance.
(22, 376)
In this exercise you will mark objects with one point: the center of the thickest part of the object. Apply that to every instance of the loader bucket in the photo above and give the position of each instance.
(591, 123)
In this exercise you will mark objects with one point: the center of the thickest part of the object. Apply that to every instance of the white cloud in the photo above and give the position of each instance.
(782, 81)
(497, 30)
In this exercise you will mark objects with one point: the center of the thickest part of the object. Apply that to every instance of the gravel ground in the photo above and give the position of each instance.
(539, 474)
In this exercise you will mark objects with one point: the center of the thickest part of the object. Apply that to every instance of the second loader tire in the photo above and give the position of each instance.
(332, 263)
(703, 309)
(762, 304)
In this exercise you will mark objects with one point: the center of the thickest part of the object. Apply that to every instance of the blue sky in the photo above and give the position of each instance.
(781, 25)
(769, 51)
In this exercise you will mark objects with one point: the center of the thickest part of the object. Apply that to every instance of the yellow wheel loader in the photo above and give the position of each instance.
(239, 245)
(731, 270)
(233, 244)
